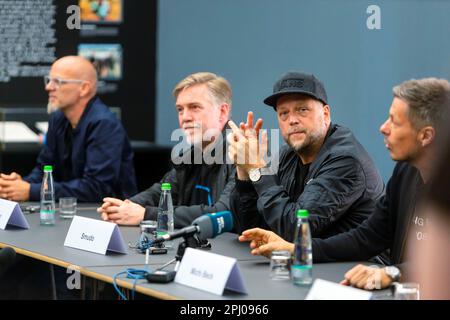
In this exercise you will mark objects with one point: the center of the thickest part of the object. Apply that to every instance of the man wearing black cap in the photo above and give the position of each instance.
(323, 168)
(414, 134)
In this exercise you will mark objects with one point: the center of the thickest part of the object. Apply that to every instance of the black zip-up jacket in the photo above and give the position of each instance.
(340, 190)
(182, 180)
(387, 227)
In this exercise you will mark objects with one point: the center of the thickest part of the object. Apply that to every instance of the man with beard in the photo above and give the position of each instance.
(86, 144)
(323, 168)
(411, 132)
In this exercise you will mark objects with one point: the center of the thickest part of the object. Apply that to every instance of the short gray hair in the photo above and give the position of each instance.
(428, 99)
(218, 87)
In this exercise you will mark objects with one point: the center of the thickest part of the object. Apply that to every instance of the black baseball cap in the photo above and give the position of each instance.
(297, 82)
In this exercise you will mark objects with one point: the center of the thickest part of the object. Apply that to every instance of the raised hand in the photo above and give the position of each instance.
(245, 148)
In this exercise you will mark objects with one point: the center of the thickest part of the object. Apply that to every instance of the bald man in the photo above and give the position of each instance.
(86, 144)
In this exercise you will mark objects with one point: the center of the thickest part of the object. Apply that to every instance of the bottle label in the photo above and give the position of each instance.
(161, 233)
(47, 214)
(163, 222)
(302, 267)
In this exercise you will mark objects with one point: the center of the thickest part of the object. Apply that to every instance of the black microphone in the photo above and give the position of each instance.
(7, 256)
(206, 226)
(187, 231)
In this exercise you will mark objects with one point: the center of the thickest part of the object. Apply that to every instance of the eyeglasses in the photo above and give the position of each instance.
(58, 82)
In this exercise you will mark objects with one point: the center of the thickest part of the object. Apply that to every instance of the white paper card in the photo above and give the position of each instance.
(95, 236)
(11, 214)
(209, 272)
(15, 131)
(327, 290)
(42, 126)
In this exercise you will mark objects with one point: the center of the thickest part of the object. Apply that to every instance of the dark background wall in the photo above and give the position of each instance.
(135, 94)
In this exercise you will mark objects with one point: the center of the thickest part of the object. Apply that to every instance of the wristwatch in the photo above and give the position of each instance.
(393, 273)
(254, 174)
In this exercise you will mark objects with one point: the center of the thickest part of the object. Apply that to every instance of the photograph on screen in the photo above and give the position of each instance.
(107, 59)
(101, 11)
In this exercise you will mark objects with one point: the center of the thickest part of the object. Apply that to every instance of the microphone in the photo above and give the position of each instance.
(187, 231)
(7, 256)
(207, 226)
(213, 224)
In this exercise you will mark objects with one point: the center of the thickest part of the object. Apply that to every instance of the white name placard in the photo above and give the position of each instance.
(209, 272)
(11, 214)
(327, 290)
(95, 236)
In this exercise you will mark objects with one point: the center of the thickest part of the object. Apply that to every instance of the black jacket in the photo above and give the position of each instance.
(340, 190)
(386, 228)
(183, 180)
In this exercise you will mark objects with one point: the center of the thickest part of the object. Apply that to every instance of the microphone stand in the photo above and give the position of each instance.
(190, 241)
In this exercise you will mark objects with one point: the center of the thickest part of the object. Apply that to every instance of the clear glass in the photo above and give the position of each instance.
(148, 229)
(407, 291)
(67, 207)
(280, 265)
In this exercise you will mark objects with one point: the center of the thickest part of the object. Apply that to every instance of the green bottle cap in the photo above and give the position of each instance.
(302, 213)
(48, 168)
(166, 186)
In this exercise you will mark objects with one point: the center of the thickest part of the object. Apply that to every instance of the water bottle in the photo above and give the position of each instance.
(302, 264)
(165, 213)
(47, 212)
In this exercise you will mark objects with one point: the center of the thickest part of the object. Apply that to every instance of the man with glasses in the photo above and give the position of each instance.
(86, 144)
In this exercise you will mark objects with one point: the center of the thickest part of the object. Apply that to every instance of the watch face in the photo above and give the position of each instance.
(254, 174)
(393, 272)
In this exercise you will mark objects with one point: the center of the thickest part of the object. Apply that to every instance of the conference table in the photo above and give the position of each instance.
(46, 243)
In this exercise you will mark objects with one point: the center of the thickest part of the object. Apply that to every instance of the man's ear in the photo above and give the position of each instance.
(427, 135)
(326, 113)
(224, 112)
(85, 90)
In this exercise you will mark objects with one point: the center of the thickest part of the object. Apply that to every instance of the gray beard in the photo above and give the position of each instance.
(300, 149)
(306, 146)
(51, 108)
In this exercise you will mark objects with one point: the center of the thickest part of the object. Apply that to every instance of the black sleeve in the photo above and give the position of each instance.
(338, 184)
(150, 198)
(372, 237)
(184, 215)
(243, 203)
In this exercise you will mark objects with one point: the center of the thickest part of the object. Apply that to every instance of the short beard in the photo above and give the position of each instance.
(308, 144)
(196, 139)
(51, 108)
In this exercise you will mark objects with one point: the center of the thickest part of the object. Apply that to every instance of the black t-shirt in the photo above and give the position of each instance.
(200, 173)
(300, 174)
(202, 193)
